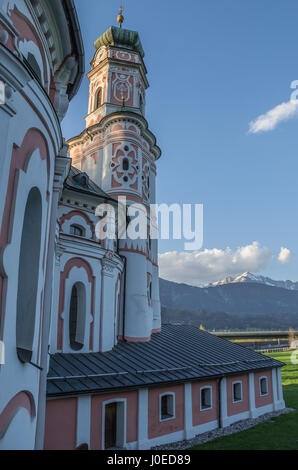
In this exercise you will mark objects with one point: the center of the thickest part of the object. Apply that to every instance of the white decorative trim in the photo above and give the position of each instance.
(274, 389)
(223, 400)
(280, 391)
(142, 419)
(27, 47)
(166, 439)
(83, 420)
(235, 418)
(252, 396)
(132, 446)
(77, 276)
(188, 428)
(206, 427)
(264, 409)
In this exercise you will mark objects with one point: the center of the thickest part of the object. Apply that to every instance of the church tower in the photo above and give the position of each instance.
(119, 153)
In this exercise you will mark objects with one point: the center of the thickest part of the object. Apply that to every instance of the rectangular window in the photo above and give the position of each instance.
(237, 392)
(206, 398)
(263, 386)
(166, 407)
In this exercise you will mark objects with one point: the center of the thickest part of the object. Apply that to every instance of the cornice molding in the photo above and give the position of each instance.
(118, 116)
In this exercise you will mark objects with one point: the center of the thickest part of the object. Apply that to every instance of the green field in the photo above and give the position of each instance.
(281, 434)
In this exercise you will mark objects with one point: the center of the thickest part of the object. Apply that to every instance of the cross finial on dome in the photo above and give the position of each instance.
(120, 18)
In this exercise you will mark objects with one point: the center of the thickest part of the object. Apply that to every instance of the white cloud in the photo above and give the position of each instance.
(212, 265)
(285, 255)
(269, 120)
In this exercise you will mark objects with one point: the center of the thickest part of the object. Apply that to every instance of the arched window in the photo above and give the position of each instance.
(77, 230)
(34, 65)
(125, 164)
(98, 98)
(28, 276)
(77, 316)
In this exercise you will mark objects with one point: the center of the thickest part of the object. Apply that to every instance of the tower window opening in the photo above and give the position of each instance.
(77, 317)
(98, 98)
(141, 103)
(125, 164)
(77, 231)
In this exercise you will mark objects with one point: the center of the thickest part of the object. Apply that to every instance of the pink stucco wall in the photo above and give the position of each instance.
(268, 399)
(96, 417)
(61, 424)
(205, 416)
(157, 428)
(239, 407)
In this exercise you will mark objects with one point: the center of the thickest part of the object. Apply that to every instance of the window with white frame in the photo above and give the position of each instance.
(206, 398)
(237, 391)
(263, 386)
(98, 99)
(77, 316)
(167, 406)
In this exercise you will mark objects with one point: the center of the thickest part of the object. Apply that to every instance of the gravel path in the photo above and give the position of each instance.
(210, 436)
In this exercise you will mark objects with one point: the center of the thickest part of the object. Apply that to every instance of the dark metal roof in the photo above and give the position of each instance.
(122, 38)
(75, 182)
(179, 353)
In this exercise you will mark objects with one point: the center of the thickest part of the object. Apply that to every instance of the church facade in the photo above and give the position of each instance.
(87, 362)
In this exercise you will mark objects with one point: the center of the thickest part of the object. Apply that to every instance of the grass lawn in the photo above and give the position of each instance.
(282, 434)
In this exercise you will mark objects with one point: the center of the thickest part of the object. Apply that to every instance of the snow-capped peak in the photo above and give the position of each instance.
(255, 278)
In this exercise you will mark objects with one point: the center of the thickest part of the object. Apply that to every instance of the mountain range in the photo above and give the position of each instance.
(249, 277)
(246, 301)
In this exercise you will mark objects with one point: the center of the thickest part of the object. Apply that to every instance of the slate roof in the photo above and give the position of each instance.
(179, 353)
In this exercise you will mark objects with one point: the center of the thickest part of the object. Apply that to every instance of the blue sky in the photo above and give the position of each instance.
(214, 66)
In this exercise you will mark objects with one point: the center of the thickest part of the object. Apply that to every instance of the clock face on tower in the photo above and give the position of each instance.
(101, 55)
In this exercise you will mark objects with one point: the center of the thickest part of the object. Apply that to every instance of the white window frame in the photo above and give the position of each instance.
(267, 385)
(233, 398)
(160, 408)
(211, 398)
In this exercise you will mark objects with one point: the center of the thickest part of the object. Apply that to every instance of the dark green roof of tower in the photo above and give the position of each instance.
(120, 37)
